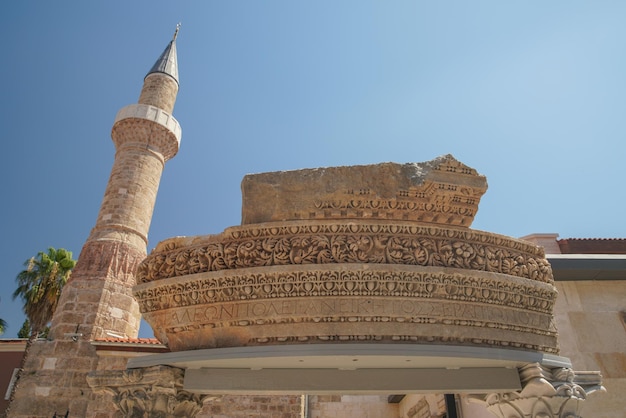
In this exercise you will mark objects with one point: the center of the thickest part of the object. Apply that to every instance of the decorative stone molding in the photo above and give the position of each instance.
(149, 392)
(354, 303)
(357, 241)
(546, 393)
(442, 191)
(375, 280)
(379, 253)
(117, 260)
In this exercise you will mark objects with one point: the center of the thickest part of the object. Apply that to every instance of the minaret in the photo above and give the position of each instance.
(97, 301)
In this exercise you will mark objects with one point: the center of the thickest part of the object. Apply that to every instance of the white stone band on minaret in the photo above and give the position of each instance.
(153, 114)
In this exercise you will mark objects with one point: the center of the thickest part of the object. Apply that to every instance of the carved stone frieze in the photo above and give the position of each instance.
(356, 302)
(116, 260)
(441, 191)
(318, 242)
(352, 254)
(149, 392)
(360, 281)
(546, 393)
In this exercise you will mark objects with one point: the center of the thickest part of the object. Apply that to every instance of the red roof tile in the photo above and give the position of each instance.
(143, 345)
(129, 340)
(592, 245)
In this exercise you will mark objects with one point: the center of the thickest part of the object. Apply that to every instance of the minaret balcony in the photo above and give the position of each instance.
(147, 113)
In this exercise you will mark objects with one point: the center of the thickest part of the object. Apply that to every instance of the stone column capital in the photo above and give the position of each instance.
(546, 393)
(147, 392)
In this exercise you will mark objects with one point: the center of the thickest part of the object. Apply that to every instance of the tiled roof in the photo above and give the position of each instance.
(129, 340)
(592, 245)
(151, 345)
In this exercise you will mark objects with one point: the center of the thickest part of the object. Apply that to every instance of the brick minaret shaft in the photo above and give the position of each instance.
(97, 301)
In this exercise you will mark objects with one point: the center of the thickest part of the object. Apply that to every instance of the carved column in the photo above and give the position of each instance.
(152, 392)
(546, 393)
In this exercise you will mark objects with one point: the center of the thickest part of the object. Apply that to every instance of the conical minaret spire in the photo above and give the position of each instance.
(167, 62)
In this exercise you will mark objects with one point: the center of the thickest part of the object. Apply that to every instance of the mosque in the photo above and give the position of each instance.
(354, 291)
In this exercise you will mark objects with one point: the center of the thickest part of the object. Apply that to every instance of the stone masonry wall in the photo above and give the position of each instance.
(54, 380)
(159, 90)
(590, 317)
(128, 203)
(288, 406)
(98, 297)
(362, 406)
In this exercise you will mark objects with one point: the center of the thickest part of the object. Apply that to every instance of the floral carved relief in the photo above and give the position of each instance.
(361, 254)
(375, 281)
(148, 392)
(546, 393)
(407, 304)
(322, 243)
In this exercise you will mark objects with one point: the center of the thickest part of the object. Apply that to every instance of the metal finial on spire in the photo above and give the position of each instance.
(167, 62)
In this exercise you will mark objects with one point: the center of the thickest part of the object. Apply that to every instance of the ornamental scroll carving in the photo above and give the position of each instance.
(316, 242)
(377, 281)
(341, 303)
(352, 254)
(546, 393)
(442, 191)
(147, 392)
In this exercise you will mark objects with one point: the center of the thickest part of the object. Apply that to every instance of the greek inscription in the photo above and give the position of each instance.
(359, 307)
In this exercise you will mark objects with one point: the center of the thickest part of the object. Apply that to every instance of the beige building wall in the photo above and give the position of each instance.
(592, 333)
(370, 406)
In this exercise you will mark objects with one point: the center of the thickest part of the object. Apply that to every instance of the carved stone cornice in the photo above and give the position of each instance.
(375, 280)
(546, 393)
(442, 191)
(358, 241)
(377, 253)
(147, 392)
(417, 283)
(354, 302)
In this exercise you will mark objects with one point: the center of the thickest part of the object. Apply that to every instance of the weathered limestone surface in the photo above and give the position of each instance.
(422, 406)
(365, 254)
(546, 392)
(53, 380)
(442, 191)
(364, 303)
(394, 262)
(150, 393)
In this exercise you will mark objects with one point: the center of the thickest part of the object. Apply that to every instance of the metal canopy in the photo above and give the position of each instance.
(350, 368)
(360, 381)
(588, 266)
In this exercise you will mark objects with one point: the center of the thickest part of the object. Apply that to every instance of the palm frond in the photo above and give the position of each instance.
(40, 284)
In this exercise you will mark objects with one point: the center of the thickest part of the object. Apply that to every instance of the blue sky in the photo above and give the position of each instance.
(532, 94)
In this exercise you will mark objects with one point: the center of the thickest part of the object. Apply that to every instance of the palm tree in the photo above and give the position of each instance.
(3, 326)
(40, 285)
